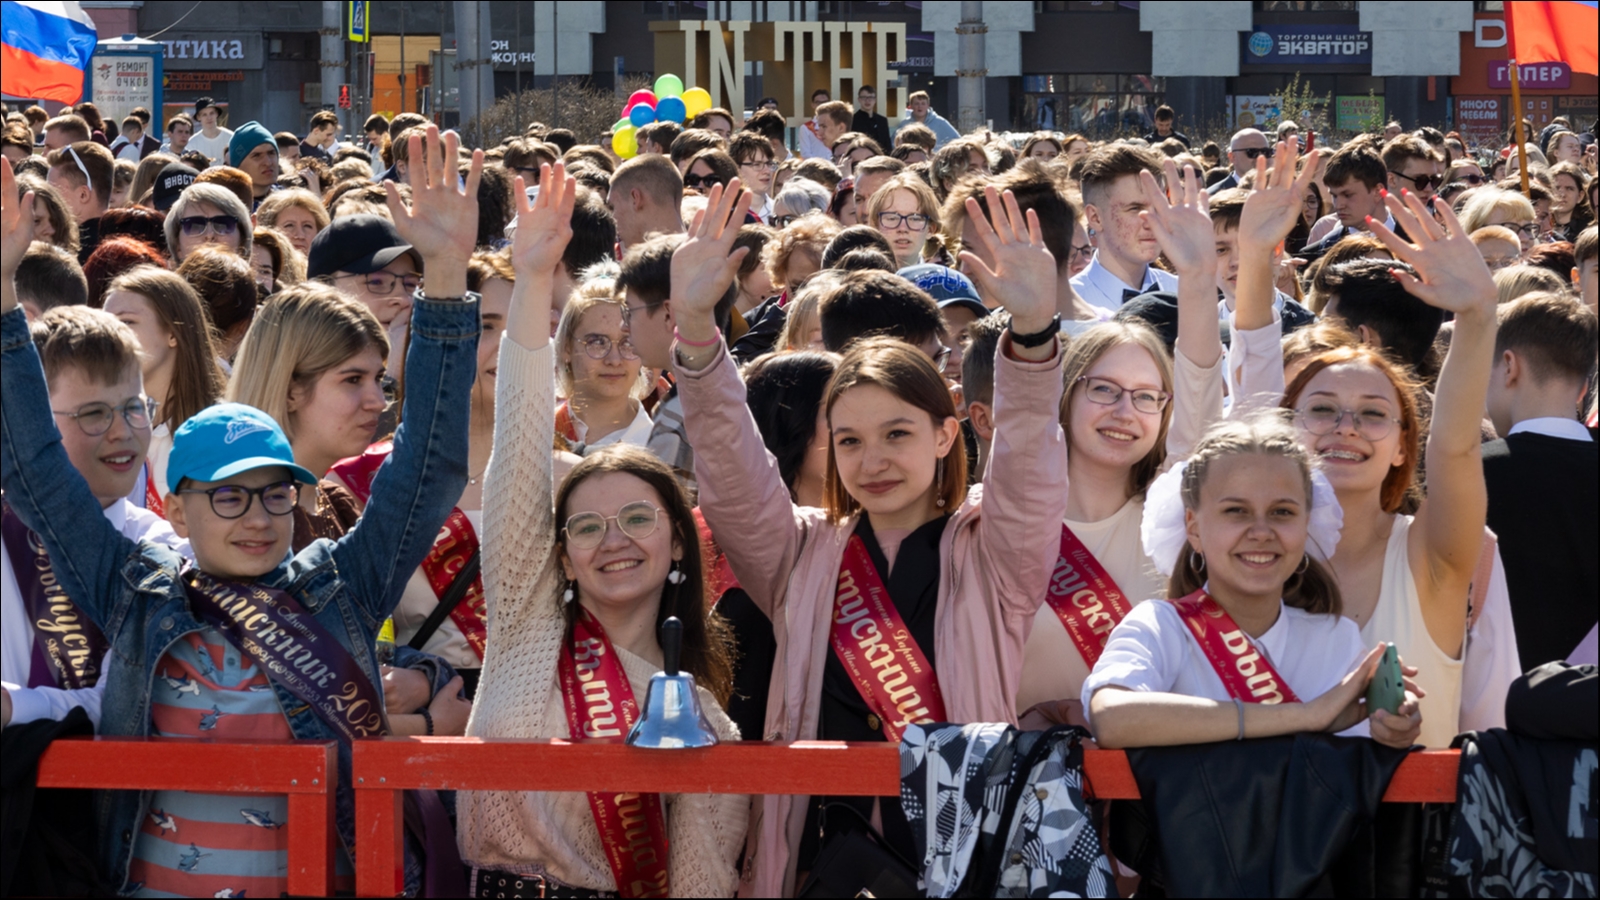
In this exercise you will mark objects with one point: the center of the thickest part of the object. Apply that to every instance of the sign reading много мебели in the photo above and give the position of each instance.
(1278, 45)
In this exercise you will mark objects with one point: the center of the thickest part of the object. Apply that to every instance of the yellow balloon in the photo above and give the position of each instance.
(696, 101)
(624, 143)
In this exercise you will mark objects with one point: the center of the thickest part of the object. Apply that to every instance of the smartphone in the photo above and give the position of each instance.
(1311, 141)
(1387, 690)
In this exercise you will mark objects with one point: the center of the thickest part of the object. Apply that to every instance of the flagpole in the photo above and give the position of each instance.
(1516, 112)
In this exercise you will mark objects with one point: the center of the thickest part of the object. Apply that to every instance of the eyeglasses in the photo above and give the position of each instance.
(1108, 393)
(94, 419)
(87, 181)
(530, 173)
(1083, 252)
(1253, 152)
(627, 312)
(382, 283)
(706, 181)
(760, 165)
(194, 226)
(1528, 230)
(636, 520)
(942, 358)
(1325, 418)
(1469, 178)
(232, 501)
(913, 221)
(598, 346)
(1422, 182)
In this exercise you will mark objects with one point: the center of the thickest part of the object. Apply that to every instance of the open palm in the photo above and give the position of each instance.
(1278, 201)
(1451, 273)
(705, 265)
(16, 222)
(544, 227)
(1180, 217)
(1023, 277)
(443, 219)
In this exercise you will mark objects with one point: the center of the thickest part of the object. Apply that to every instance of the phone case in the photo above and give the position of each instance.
(1387, 689)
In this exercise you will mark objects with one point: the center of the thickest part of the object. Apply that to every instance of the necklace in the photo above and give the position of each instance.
(473, 479)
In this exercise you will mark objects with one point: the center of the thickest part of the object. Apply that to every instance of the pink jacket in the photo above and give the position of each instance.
(997, 554)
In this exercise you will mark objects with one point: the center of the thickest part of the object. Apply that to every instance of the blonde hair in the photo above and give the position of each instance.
(806, 303)
(297, 335)
(1083, 351)
(813, 232)
(278, 201)
(1487, 201)
(290, 264)
(1495, 233)
(927, 201)
(586, 297)
(1264, 434)
(1521, 279)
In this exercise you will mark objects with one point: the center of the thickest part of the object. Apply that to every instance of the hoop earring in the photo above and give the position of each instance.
(938, 483)
(1305, 563)
(1197, 561)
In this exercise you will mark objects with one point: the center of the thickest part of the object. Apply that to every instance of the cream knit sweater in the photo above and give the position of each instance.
(519, 696)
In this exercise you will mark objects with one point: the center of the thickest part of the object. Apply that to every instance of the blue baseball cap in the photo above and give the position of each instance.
(946, 286)
(223, 440)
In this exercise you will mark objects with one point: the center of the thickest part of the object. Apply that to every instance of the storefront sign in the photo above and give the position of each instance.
(1278, 45)
(1550, 76)
(1478, 119)
(504, 57)
(211, 50)
(200, 81)
(1254, 111)
(1355, 113)
(122, 83)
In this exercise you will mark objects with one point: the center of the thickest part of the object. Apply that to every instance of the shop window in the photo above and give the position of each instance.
(1281, 6)
(1099, 105)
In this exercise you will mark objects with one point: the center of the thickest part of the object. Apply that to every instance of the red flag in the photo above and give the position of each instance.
(1555, 31)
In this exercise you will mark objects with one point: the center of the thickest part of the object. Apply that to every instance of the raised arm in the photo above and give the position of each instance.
(1451, 275)
(40, 483)
(1025, 489)
(742, 494)
(417, 487)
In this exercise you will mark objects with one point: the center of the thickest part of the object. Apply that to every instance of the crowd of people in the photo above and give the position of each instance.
(903, 426)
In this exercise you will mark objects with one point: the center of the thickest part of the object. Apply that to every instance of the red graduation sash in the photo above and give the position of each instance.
(152, 497)
(1245, 673)
(67, 647)
(600, 706)
(1085, 597)
(456, 543)
(890, 670)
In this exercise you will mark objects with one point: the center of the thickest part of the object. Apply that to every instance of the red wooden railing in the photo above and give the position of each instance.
(305, 770)
(384, 768)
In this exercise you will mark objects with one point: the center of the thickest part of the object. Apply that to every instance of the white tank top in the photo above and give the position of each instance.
(1398, 618)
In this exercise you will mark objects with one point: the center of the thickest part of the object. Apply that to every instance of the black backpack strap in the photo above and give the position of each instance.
(451, 599)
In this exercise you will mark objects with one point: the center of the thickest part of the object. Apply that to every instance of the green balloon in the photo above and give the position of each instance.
(669, 86)
(621, 124)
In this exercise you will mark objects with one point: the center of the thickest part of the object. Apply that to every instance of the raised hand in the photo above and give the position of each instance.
(544, 227)
(1278, 200)
(1023, 278)
(16, 233)
(1180, 216)
(705, 265)
(442, 222)
(1451, 274)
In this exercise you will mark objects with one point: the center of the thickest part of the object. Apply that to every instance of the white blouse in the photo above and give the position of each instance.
(1152, 650)
(419, 601)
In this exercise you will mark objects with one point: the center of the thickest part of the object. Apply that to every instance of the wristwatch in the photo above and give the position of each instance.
(1039, 338)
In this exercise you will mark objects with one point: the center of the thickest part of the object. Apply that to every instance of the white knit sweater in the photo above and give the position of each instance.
(519, 695)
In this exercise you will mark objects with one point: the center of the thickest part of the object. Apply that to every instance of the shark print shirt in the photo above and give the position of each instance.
(205, 845)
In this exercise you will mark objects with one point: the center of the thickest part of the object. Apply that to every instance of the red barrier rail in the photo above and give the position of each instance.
(305, 770)
(383, 768)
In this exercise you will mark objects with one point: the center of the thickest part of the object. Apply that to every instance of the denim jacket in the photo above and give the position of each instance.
(132, 591)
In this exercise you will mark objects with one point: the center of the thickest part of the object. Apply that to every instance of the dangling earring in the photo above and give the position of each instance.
(568, 595)
(1197, 561)
(938, 483)
(676, 576)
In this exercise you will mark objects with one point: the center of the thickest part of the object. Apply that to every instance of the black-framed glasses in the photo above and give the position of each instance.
(1253, 152)
(1105, 392)
(1421, 182)
(94, 419)
(1372, 424)
(194, 226)
(763, 165)
(530, 174)
(628, 311)
(1081, 252)
(598, 346)
(693, 181)
(382, 283)
(913, 221)
(1529, 230)
(636, 520)
(232, 501)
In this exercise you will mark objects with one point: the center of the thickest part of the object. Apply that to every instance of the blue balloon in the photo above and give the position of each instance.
(671, 109)
(641, 115)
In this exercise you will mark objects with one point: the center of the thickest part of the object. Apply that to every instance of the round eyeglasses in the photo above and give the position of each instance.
(1372, 424)
(598, 346)
(1108, 393)
(232, 501)
(636, 520)
(94, 419)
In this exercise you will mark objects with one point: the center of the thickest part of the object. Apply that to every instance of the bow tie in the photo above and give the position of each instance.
(1129, 294)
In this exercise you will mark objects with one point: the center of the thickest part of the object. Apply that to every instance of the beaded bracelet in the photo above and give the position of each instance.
(716, 338)
(427, 718)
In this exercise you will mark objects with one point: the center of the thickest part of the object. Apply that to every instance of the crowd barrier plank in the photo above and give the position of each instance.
(383, 768)
(304, 770)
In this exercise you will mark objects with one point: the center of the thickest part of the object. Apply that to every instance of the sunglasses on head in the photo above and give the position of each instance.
(705, 181)
(87, 181)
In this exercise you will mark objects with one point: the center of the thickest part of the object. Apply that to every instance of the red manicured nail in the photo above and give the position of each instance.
(1384, 191)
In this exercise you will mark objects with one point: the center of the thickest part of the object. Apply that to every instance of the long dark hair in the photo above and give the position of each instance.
(197, 380)
(708, 647)
(784, 392)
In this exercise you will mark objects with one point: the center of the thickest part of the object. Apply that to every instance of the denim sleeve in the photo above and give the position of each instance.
(45, 489)
(438, 672)
(419, 484)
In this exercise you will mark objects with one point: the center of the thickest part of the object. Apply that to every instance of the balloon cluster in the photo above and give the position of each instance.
(669, 102)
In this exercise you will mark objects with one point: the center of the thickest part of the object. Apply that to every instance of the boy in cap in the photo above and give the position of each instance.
(212, 139)
(249, 641)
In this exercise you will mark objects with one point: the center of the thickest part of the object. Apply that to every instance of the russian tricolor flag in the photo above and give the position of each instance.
(44, 49)
(1561, 31)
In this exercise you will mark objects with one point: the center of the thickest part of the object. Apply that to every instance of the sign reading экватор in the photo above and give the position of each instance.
(1278, 45)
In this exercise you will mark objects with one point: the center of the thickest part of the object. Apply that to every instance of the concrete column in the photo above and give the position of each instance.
(973, 71)
(468, 51)
(333, 68)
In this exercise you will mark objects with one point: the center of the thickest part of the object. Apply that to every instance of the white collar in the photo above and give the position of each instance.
(1111, 285)
(1552, 426)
